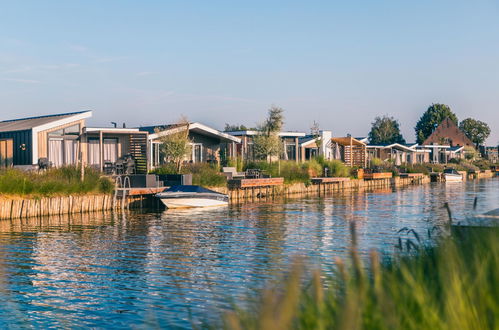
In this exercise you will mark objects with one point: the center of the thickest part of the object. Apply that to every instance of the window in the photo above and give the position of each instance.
(291, 151)
(197, 153)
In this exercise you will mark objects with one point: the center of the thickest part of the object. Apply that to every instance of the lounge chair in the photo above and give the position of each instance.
(231, 173)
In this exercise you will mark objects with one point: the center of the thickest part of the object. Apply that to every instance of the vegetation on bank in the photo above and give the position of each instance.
(203, 174)
(450, 286)
(466, 165)
(55, 181)
(210, 174)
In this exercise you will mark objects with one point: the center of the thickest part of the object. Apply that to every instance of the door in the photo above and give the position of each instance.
(6, 152)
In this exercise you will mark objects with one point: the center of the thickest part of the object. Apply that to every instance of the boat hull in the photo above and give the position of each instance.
(177, 203)
(175, 200)
(453, 178)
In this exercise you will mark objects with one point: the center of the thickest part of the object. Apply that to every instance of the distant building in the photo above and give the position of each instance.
(399, 153)
(314, 146)
(349, 150)
(290, 140)
(447, 133)
(446, 142)
(209, 145)
(490, 153)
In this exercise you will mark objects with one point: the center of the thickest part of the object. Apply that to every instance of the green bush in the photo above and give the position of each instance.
(204, 174)
(482, 164)
(56, 181)
(450, 286)
(336, 168)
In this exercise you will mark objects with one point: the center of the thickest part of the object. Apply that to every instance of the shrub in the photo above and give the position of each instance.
(483, 164)
(336, 168)
(204, 174)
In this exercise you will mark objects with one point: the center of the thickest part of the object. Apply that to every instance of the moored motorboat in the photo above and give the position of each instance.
(191, 196)
(451, 175)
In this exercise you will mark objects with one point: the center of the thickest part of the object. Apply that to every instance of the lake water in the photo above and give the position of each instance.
(178, 268)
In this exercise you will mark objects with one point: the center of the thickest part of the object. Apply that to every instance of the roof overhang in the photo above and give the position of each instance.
(346, 141)
(200, 129)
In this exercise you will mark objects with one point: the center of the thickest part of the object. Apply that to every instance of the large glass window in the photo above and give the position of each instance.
(291, 151)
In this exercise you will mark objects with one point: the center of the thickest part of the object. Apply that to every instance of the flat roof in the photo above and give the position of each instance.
(347, 140)
(112, 130)
(28, 123)
(282, 134)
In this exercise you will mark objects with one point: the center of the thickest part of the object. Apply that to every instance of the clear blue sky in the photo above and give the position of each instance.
(340, 63)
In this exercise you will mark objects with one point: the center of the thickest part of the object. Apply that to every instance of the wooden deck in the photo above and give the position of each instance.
(328, 180)
(411, 175)
(254, 183)
(378, 176)
(140, 191)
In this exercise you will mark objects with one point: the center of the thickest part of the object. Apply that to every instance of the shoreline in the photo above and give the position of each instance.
(14, 207)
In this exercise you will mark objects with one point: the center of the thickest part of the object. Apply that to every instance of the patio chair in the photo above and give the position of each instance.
(231, 173)
(109, 167)
(44, 163)
(253, 173)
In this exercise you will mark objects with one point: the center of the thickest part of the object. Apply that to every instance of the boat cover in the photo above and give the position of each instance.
(190, 189)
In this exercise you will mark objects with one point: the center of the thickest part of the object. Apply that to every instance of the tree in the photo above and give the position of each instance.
(385, 130)
(316, 134)
(234, 128)
(175, 143)
(433, 116)
(476, 130)
(267, 142)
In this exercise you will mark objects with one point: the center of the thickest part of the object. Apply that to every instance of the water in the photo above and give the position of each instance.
(181, 268)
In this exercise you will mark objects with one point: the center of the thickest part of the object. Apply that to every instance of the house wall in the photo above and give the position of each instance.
(211, 146)
(43, 137)
(22, 146)
(447, 133)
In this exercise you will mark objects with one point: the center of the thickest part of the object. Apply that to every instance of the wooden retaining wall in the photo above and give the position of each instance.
(12, 208)
(238, 195)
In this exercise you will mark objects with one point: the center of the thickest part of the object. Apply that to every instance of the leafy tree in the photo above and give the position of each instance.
(385, 130)
(267, 142)
(476, 130)
(176, 144)
(433, 116)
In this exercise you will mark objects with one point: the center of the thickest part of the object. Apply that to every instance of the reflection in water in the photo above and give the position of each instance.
(159, 268)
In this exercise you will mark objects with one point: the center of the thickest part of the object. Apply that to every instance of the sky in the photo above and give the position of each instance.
(340, 63)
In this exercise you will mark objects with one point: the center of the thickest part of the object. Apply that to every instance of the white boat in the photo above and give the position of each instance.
(191, 196)
(451, 175)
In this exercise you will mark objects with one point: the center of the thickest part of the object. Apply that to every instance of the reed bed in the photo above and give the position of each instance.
(56, 181)
(449, 286)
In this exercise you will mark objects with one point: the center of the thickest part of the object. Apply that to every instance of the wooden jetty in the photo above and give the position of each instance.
(378, 176)
(328, 180)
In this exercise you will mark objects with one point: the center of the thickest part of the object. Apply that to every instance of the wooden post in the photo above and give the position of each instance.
(101, 151)
(297, 145)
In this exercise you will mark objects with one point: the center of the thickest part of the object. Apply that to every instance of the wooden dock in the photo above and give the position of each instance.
(254, 183)
(328, 180)
(140, 191)
(378, 176)
(411, 175)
